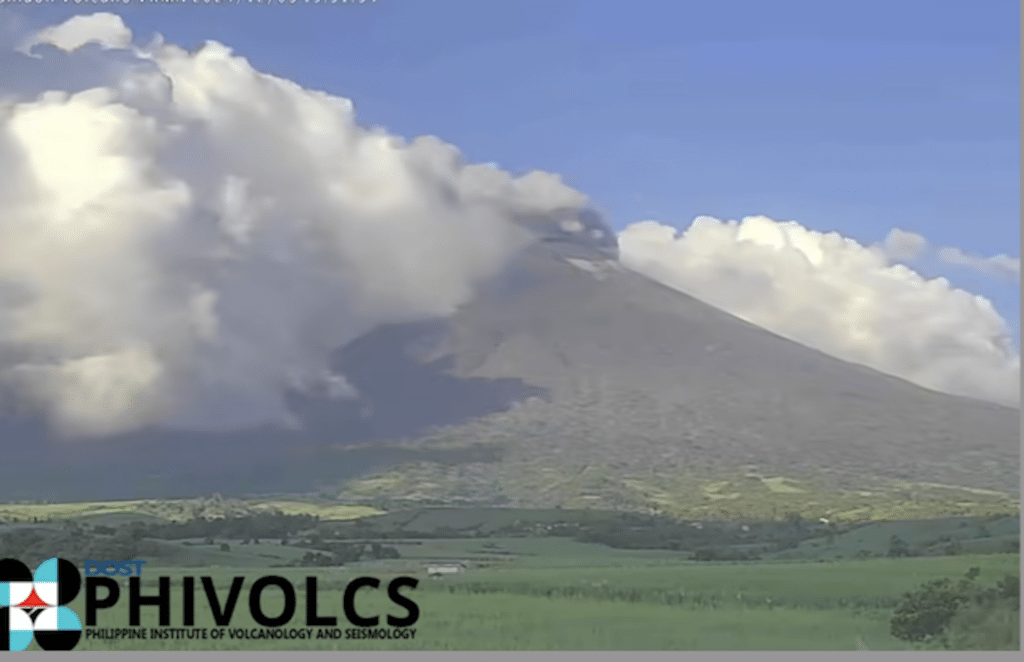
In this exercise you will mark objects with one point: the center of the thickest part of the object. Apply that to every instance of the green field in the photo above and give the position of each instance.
(618, 601)
(105, 512)
(549, 579)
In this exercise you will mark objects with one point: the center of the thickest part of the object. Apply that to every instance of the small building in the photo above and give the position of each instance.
(442, 569)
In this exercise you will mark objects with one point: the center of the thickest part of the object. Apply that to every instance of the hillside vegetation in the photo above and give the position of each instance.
(685, 494)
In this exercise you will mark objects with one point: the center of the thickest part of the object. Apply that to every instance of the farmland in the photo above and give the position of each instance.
(642, 603)
(532, 579)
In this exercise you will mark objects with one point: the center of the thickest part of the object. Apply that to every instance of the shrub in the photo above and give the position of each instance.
(925, 613)
(1009, 589)
(898, 547)
(961, 616)
(984, 627)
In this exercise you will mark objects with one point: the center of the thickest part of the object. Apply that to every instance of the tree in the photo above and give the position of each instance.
(317, 559)
(1009, 589)
(898, 547)
(925, 613)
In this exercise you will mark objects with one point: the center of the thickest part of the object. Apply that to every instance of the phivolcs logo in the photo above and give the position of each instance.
(33, 605)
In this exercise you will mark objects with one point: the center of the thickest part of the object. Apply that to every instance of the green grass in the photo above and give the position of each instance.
(516, 622)
(553, 593)
(615, 604)
(977, 628)
(41, 511)
(99, 512)
(867, 583)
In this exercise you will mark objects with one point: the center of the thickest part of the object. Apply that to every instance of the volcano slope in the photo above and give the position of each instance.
(621, 376)
(569, 380)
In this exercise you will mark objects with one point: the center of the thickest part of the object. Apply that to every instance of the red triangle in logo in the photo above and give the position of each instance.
(33, 601)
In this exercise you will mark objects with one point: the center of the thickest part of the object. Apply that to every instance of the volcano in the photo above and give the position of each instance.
(566, 362)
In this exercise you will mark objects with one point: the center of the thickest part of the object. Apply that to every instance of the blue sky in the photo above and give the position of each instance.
(853, 117)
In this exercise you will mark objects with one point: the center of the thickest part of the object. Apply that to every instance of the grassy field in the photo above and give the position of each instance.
(867, 584)
(105, 512)
(627, 601)
(28, 511)
(524, 589)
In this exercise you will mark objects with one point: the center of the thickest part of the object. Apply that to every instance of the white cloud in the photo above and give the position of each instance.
(105, 29)
(902, 246)
(831, 293)
(999, 265)
(183, 238)
(185, 241)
